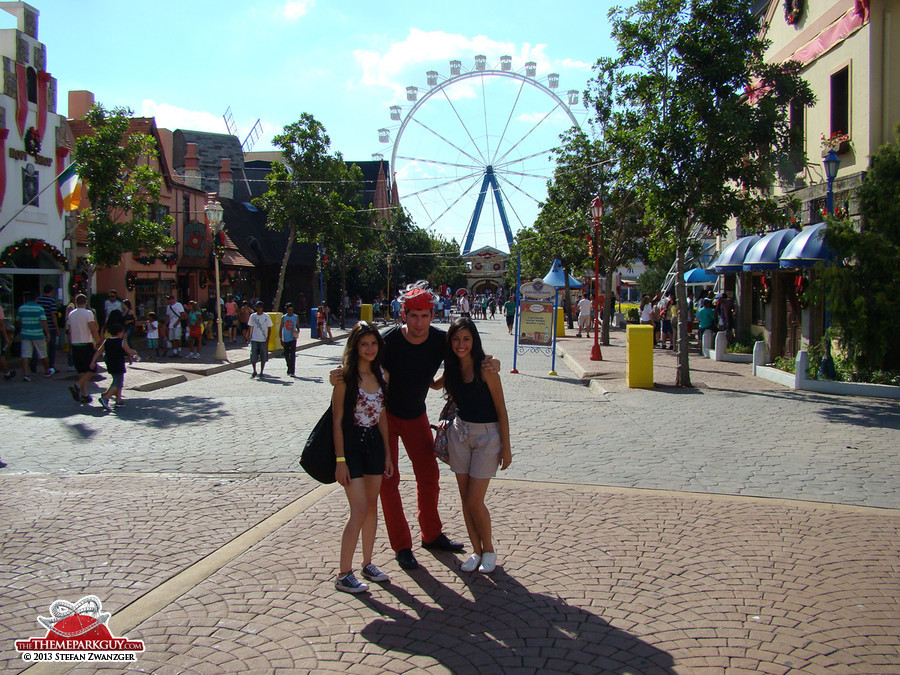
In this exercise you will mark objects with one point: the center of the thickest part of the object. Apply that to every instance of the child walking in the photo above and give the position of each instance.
(152, 334)
(478, 440)
(360, 440)
(114, 349)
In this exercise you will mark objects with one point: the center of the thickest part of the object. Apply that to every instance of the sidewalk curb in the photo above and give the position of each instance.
(583, 374)
(220, 368)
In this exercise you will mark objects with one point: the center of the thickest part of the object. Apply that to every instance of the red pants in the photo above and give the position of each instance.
(419, 444)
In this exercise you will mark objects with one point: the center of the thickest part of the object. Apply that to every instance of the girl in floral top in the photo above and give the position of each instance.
(360, 439)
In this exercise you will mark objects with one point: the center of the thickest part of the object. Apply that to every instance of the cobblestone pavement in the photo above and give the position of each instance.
(630, 537)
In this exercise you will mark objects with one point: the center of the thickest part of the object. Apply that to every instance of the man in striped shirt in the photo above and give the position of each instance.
(34, 334)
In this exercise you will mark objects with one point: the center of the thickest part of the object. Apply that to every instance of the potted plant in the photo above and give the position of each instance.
(837, 141)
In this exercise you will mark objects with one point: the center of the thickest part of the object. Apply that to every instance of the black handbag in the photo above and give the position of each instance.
(317, 458)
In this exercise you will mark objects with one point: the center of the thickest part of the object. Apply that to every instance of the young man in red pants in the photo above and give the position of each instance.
(414, 352)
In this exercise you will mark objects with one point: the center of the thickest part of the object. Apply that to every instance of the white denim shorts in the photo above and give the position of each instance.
(474, 448)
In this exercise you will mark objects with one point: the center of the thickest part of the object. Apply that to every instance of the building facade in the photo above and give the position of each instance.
(34, 149)
(850, 56)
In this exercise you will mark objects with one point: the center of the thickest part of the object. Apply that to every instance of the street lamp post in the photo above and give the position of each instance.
(214, 213)
(596, 212)
(832, 163)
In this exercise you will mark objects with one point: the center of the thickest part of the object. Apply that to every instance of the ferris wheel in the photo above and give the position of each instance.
(477, 136)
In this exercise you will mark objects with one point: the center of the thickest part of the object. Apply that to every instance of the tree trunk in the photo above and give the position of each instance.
(292, 234)
(608, 305)
(567, 306)
(683, 373)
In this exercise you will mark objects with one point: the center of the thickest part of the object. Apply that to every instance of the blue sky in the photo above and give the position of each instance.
(346, 62)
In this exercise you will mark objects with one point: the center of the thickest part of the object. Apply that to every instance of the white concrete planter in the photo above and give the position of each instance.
(721, 354)
(801, 380)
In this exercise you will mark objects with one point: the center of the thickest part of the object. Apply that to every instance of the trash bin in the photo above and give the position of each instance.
(365, 313)
(560, 322)
(639, 356)
(274, 336)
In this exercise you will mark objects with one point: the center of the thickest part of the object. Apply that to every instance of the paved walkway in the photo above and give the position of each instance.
(737, 527)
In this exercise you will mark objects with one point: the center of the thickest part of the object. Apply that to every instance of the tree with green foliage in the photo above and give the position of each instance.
(312, 195)
(123, 189)
(861, 291)
(584, 171)
(696, 119)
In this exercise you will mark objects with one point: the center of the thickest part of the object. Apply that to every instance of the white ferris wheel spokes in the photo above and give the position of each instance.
(476, 136)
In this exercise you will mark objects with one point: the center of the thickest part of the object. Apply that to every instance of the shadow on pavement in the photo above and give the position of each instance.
(506, 628)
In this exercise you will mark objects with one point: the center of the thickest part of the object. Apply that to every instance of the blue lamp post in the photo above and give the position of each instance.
(832, 163)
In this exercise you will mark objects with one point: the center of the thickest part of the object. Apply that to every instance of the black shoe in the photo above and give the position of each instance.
(2, 464)
(406, 559)
(442, 543)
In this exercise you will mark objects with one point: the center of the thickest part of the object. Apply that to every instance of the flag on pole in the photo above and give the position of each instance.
(70, 187)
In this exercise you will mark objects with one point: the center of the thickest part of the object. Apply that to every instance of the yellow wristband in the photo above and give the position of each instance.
(340, 459)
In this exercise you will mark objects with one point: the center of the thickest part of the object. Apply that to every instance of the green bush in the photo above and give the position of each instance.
(787, 364)
(743, 345)
(632, 314)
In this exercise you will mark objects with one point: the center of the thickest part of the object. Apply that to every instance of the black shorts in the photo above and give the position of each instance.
(82, 355)
(510, 319)
(364, 450)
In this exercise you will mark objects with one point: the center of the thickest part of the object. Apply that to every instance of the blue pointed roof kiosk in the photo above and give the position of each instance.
(556, 277)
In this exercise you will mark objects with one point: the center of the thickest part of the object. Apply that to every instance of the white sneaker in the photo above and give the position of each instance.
(471, 564)
(488, 562)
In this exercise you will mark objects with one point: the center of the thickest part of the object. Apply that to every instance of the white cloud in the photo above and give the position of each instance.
(172, 117)
(294, 9)
(403, 63)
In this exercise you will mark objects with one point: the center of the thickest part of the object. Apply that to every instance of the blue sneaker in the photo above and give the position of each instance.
(350, 584)
(105, 404)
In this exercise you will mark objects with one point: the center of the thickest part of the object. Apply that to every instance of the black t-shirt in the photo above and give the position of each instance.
(411, 369)
(114, 355)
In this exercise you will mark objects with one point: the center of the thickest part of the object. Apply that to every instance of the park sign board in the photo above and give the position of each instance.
(537, 290)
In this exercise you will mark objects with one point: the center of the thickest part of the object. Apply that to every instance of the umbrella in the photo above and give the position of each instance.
(698, 276)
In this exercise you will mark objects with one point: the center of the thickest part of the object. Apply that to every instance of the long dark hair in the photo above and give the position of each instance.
(452, 366)
(350, 363)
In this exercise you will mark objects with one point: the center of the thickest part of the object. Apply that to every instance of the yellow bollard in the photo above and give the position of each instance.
(560, 322)
(275, 335)
(365, 313)
(639, 356)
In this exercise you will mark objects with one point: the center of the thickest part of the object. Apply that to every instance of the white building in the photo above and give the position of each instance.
(34, 151)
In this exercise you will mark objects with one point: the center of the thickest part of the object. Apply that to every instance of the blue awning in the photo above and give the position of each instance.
(807, 249)
(557, 279)
(698, 276)
(731, 260)
(766, 253)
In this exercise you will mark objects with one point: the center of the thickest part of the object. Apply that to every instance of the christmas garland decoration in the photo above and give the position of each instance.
(32, 142)
(166, 258)
(130, 279)
(204, 279)
(793, 9)
(219, 244)
(764, 290)
(34, 247)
